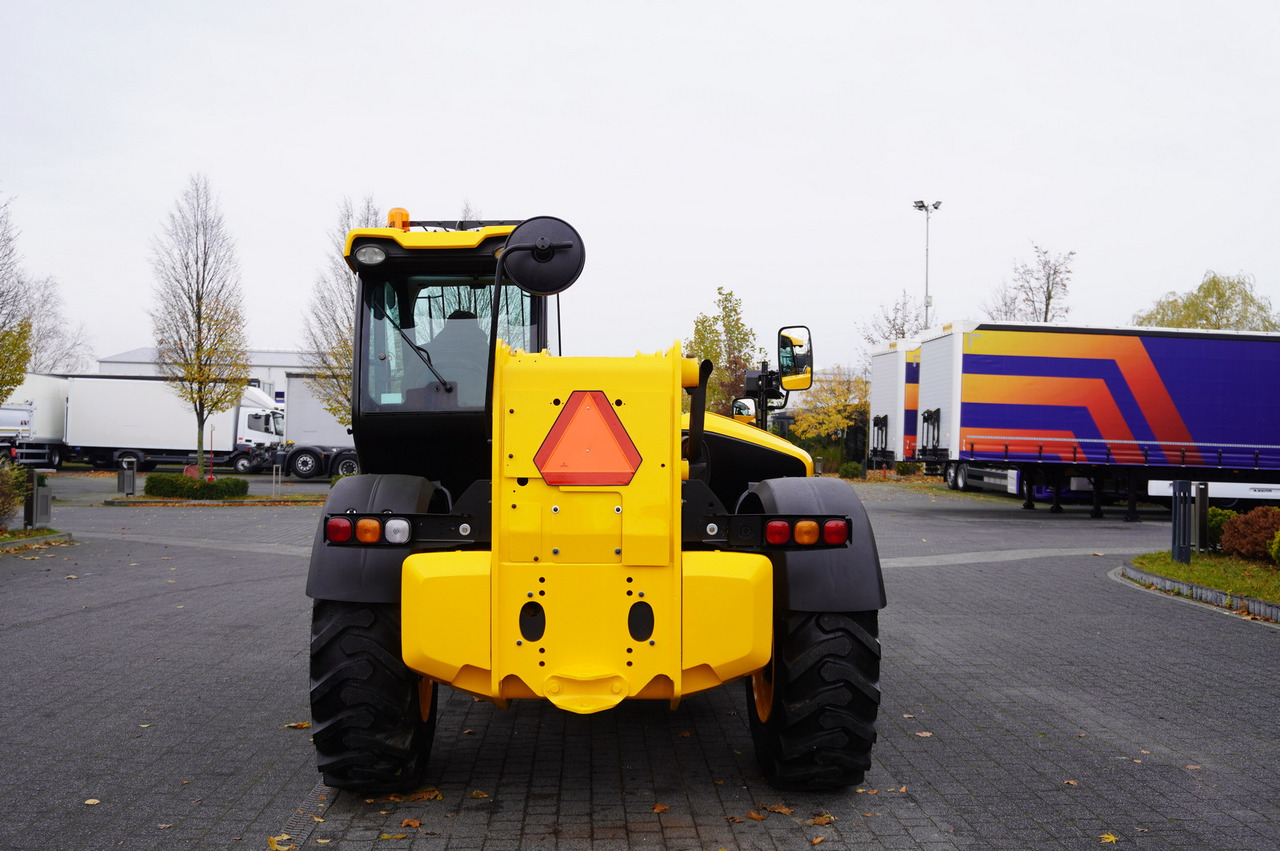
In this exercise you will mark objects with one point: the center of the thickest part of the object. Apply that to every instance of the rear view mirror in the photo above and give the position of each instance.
(795, 358)
(543, 255)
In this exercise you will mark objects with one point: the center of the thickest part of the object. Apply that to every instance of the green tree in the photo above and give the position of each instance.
(1221, 302)
(724, 339)
(15, 351)
(328, 327)
(199, 315)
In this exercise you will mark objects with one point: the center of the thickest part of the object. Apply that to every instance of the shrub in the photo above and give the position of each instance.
(1249, 535)
(1275, 549)
(1218, 518)
(185, 487)
(13, 490)
(907, 468)
(851, 470)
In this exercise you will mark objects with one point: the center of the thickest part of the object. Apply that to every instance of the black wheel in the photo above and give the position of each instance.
(813, 708)
(346, 466)
(962, 477)
(949, 475)
(306, 465)
(128, 460)
(374, 719)
(243, 464)
(55, 457)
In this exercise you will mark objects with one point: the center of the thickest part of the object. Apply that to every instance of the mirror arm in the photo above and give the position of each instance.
(698, 414)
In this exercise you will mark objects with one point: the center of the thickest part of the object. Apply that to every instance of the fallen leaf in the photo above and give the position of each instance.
(924, 735)
(908, 716)
(661, 808)
(816, 840)
(1070, 783)
(755, 816)
(144, 726)
(468, 732)
(391, 836)
(323, 841)
(72, 576)
(411, 822)
(164, 826)
(1193, 768)
(734, 819)
(93, 802)
(819, 821)
(902, 790)
(1107, 839)
(478, 794)
(273, 843)
(780, 809)
(430, 793)
(315, 818)
(685, 734)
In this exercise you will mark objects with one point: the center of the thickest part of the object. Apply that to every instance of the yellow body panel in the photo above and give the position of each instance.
(586, 598)
(428, 239)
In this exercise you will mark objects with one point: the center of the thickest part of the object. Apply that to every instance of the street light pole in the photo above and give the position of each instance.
(928, 212)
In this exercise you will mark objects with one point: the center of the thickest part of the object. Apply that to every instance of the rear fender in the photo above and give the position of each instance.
(366, 574)
(842, 580)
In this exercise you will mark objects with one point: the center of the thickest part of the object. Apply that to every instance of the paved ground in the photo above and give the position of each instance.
(154, 667)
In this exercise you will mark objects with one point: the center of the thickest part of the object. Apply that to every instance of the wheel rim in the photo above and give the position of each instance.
(762, 690)
(426, 688)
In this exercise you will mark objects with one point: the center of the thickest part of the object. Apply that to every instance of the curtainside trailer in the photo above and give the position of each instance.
(1116, 407)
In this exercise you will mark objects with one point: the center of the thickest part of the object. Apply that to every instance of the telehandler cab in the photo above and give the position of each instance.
(530, 526)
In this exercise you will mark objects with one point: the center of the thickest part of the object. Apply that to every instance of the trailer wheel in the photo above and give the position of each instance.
(124, 458)
(949, 475)
(306, 465)
(55, 457)
(813, 708)
(962, 477)
(346, 466)
(374, 718)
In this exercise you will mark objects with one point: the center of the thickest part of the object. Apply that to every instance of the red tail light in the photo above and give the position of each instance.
(835, 532)
(777, 532)
(338, 530)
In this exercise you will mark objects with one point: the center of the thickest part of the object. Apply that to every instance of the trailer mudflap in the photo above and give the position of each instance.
(586, 636)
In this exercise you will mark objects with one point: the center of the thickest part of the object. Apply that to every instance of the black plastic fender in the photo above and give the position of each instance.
(843, 580)
(365, 574)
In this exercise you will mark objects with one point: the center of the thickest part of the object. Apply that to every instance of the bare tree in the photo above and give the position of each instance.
(49, 342)
(199, 314)
(328, 327)
(895, 321)
(1038, 292)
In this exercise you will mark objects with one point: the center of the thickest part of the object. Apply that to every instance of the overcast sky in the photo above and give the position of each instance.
(774, 149)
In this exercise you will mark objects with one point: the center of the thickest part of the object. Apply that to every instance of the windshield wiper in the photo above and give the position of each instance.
(423, 355)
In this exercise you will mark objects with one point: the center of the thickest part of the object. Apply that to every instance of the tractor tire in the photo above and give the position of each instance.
(346, 465)
(813, 708)
(374, 719)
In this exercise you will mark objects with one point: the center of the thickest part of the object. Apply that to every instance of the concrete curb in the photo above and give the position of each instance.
(20, 543)
(1212, 596)
(211, 503)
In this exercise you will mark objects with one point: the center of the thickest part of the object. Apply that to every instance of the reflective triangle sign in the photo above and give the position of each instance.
(587, 445)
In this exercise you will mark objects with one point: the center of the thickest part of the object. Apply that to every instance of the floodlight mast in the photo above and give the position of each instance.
(928, 212)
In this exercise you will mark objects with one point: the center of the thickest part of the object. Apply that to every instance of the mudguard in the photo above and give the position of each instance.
(365, 574)
(847, 580)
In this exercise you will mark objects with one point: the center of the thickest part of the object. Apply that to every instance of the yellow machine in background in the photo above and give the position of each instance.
(533, 526)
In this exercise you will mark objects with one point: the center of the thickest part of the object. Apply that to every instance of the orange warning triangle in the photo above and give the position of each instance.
(587, 445)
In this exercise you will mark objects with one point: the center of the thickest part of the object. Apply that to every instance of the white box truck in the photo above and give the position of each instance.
(315, 442)
(140, 420)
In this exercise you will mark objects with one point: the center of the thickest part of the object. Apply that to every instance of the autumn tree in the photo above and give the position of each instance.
(1221, 302)
(839, 399)
(198, 318)
(1038, 291)
(328, 327)
(724, 338)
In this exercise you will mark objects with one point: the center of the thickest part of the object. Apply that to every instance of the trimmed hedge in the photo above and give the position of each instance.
(1275, 549)
(907, 468)
(1218, 518)
(185, 487)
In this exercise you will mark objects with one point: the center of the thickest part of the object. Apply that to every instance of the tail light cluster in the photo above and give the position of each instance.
(368, 530)
(806, 532)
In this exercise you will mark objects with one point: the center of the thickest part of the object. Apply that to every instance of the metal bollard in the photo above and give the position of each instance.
(126, 479)
(1181, 550)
